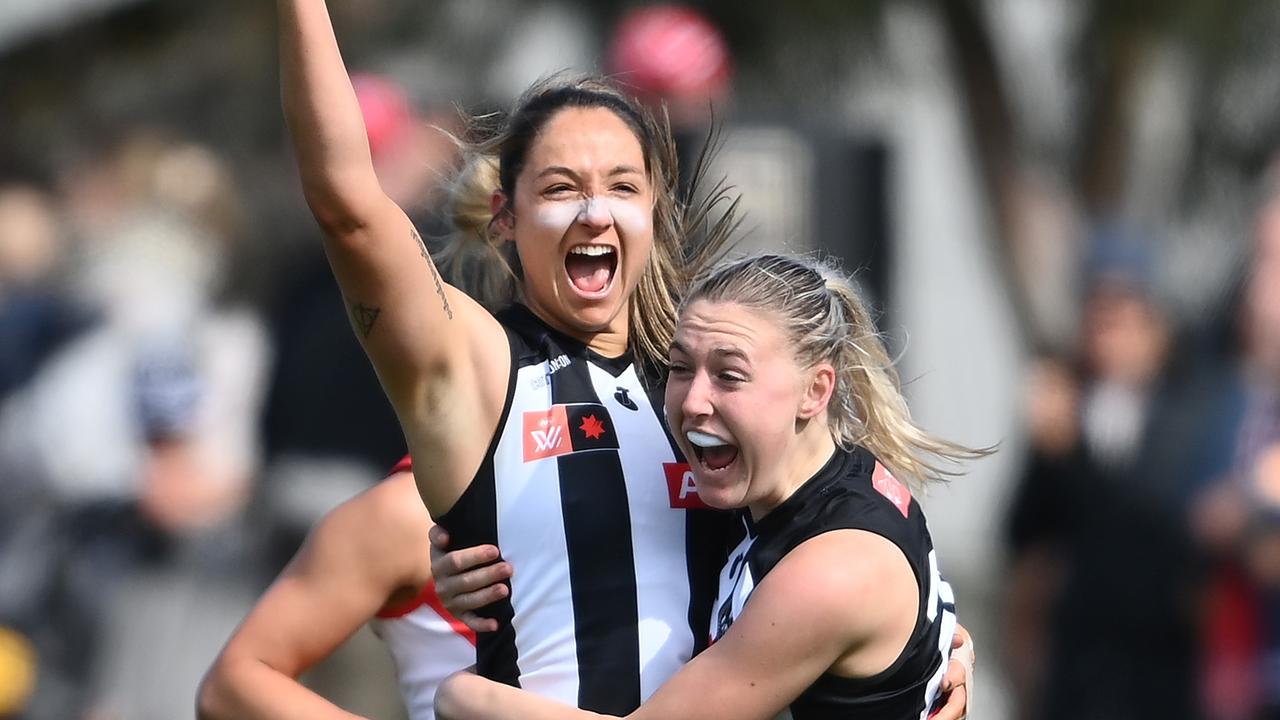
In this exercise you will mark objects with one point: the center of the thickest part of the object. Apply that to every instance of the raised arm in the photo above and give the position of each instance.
(325, 123)
(368, 552)
(439, 355)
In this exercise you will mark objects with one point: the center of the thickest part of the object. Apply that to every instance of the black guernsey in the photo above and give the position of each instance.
(852, 491)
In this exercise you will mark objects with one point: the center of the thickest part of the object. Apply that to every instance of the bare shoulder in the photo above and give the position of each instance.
(856, 575)
(395, 507)
(383, 530)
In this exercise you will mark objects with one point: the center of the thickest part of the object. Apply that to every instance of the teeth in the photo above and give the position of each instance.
(592, 250)
(704, 440)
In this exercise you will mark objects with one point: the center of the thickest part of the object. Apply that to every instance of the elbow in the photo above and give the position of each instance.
(447, 702)
(464, 695)
(207, 701)
(337, 217)
(341, 207)
(214, 696)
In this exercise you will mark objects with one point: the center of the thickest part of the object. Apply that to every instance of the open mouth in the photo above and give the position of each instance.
(591, 267)
(711, 451)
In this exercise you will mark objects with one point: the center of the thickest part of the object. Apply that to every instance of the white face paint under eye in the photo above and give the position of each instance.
(558, 216)
(631, 217)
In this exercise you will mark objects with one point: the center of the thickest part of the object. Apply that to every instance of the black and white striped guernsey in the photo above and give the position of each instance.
(585, 494)
(852, 491)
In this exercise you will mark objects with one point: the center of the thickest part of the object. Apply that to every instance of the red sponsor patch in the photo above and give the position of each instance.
(888, 486)
(546, 433)
(681, 488)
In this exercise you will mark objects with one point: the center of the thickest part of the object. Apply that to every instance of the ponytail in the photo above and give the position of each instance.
(870, 409)
(818, 308)
(473, 258)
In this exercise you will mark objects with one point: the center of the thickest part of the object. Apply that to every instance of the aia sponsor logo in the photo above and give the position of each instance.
(681, 488)
(888, 486)
(564, 429)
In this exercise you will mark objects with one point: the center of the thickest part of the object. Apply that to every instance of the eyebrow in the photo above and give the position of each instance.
(723, 351)
(562, 170)
(730, 351)
(558, 170)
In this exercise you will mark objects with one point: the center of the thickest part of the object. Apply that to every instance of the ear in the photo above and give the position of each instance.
(502, 224)
(817, 393)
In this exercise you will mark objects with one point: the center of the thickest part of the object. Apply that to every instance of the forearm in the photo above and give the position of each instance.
(322, 113)
(251, 690)
(469, 697)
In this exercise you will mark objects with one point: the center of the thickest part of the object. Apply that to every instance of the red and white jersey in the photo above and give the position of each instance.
(428, 645)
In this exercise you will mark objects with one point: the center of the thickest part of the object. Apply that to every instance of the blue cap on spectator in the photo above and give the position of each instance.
(167, 388)
(1120, 256)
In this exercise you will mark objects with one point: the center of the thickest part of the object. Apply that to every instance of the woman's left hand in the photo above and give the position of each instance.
(957, 684)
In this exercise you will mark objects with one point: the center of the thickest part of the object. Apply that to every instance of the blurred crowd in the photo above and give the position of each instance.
(137, 393)
(1143, 531)
(160, 435)
(179, 405)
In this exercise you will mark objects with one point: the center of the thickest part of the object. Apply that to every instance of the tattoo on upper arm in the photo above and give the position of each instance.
(435, 275)
(363, 317)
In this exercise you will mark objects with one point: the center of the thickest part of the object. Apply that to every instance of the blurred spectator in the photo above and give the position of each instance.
(1103, 584)
(182, 553)
(152, 269)
(36, 318)
(674, 55)
(1263, 558)
(138, 440)
(35, 315)
(677, 61)
(1239, 518)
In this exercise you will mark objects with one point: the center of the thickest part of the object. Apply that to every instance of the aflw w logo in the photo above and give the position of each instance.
(548, 439)
(546, 433)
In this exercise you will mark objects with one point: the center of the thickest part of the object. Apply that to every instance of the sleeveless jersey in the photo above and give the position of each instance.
(426, 642)
(852, 491)
(427, 645)
(586, 495)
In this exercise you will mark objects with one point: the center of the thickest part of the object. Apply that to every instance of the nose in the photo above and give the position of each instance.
(697, 396)
(595, 214)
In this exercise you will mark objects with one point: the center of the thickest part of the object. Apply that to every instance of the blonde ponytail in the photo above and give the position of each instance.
(872, 411)
(817, 306)
(473, 258)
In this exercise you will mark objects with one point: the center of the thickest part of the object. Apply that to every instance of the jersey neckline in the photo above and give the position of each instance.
(522, 314)
(835, 468)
